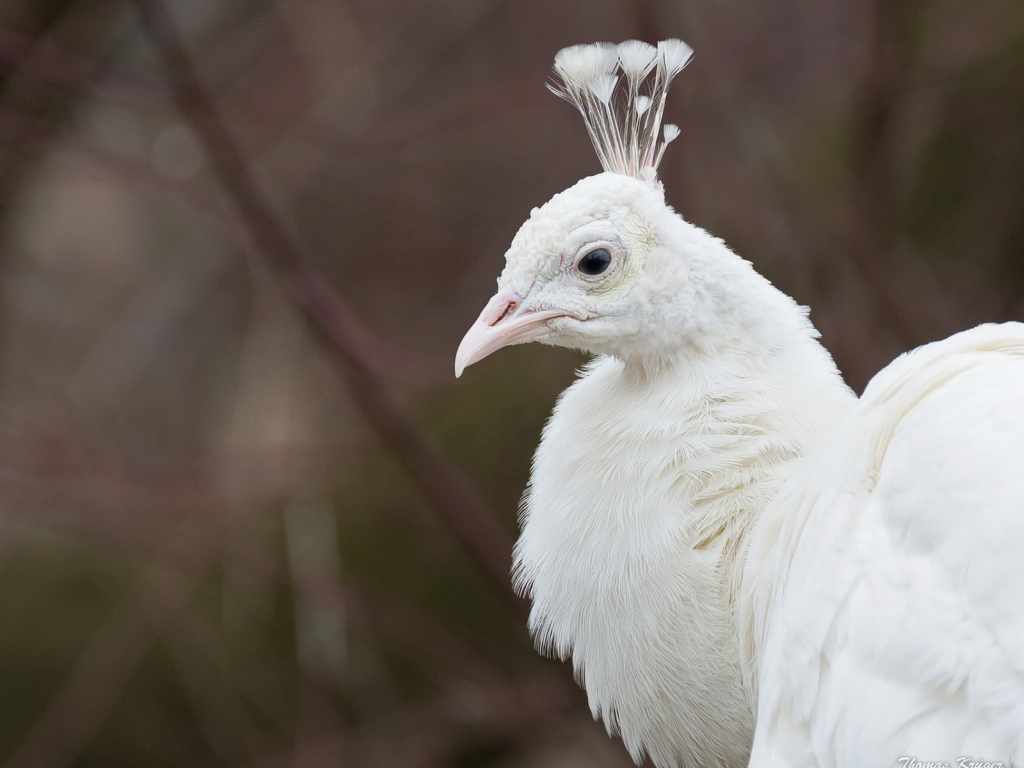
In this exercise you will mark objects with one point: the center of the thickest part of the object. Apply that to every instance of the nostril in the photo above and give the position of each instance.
(502, 305)
(511, 307)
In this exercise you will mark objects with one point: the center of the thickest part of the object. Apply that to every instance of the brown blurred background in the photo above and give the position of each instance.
(247, 514)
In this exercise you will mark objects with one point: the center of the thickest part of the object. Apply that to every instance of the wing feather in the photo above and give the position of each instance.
(886, 595)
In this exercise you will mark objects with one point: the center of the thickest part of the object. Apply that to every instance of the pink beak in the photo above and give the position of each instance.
(502, 322)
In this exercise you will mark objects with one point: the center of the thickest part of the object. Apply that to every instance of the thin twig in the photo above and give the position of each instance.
(875, 194)
(204, 671)
(25, 130)
(45, 61)
(443, 484)
(88, 696)
(457, 114)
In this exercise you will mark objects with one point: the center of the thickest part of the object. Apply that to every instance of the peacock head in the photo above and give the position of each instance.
(590, 269)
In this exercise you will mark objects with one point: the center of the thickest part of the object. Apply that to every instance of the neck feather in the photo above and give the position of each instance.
(649, 474)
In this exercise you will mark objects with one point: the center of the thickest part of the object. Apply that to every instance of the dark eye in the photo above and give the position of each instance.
(595, 262)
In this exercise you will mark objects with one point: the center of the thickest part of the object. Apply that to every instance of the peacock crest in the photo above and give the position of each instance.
(620, 90)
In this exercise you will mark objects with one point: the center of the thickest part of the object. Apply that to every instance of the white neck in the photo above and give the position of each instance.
(645, 484)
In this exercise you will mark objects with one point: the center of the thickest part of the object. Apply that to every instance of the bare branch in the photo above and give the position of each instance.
(444, 485)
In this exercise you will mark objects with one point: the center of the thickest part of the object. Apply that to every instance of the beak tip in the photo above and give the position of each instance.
(493, 330)
(462, 360)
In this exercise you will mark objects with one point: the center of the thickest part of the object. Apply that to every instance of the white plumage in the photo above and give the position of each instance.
(744, 561)
(883, 583)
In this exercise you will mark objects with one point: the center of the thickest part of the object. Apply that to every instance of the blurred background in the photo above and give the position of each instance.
(247, 514)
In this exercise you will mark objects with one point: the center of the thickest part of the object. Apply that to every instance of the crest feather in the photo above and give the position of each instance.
(623, 113)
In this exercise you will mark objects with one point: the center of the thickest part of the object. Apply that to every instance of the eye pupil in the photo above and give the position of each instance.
(595, 262)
